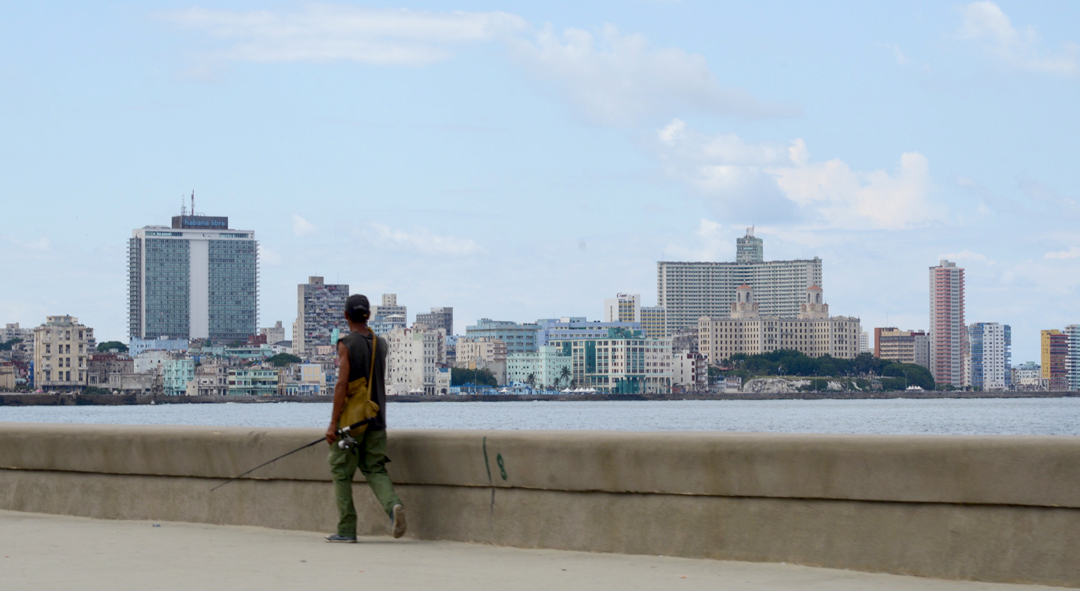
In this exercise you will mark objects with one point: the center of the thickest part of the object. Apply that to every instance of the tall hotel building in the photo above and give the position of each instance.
(689, 290)
(948, 334)
(194, 280)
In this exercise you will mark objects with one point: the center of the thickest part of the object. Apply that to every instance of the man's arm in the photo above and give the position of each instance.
(341, 392)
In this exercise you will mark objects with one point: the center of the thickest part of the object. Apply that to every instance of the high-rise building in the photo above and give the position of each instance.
(990, 346)
(388, 308)
(690, 290)
(1055, 357)
(320, 309)
(948, 333)
(624, 307)
(904, 346)
(438, 318)
(414, 365)
(195, 280)
(1072, 359)
(62, 349)
(654, 322)
(745, 330)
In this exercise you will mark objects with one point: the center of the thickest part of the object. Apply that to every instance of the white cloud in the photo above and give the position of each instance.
(268, 256)
(966, 255)
(1072, 253)
(302, 227)
(713, 245)
(778, 175)
(988, 27)
(423, 241)
(619, 78)
(37, 244)
(898, 54)
(613, 77)
(328, 32)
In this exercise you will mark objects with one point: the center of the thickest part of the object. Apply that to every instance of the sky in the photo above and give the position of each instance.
(525, 160)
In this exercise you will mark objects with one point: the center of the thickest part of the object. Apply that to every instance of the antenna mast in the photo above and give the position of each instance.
(193, 202)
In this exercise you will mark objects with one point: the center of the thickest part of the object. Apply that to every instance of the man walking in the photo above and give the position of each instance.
(369, 453)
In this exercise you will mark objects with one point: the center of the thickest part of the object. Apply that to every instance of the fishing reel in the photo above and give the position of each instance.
(346, 442)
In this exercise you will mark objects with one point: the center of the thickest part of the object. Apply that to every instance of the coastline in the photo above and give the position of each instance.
(13, 399)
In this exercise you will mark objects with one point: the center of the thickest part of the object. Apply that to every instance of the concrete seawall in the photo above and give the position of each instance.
(985, 508)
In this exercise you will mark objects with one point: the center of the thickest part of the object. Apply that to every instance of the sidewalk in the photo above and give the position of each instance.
(57, 552)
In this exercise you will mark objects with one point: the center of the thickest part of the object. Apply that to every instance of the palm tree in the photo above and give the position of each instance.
(565, 374)
(531, 380)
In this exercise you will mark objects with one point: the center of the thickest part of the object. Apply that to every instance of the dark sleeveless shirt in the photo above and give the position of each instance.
(359, 347)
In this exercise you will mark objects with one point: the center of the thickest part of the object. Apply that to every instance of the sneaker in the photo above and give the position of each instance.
(397, 520)
(336, 539)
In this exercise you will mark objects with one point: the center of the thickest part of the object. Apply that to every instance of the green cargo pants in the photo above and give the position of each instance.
(371, 460)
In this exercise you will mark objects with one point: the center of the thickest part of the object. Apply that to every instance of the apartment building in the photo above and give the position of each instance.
(623, 362)
(320, 311)
(519, 338)
(904, 346)
(548, 366)
(990, 356)
(1055, 359)
(62, 349)
(417, 358)
(948, 333)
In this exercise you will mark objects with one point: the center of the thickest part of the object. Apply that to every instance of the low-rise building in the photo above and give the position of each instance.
(164, 343)
(211, 379)
(813, 332)
(690, 371)
(104, 369)
(519, 338)
(623, 362)
(176, 374)
(904, 346)
(61, 350)
(7, 378)
(254, 381)
(548, 367)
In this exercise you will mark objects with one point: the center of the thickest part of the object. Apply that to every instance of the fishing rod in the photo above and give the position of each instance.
(344, 442)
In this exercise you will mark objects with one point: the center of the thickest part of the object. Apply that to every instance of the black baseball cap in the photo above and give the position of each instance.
(357, 307)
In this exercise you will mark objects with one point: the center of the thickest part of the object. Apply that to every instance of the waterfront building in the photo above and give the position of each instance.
(103, 370)
(747, 331)
(274, 334)
(690, 290)
(519, 338)
(254, 381)
(162, 343)
(1055, 356)
(7, 377)
(624, 307)
(990, 355)
(413, 364)
(438, 318)
(151, 361)
(548, 366)
(473, 351)
(690, 371)
(320, 310)
(948, 333)
(553, 330)
(623, 362)
(864, 343)
(211, 379)
(306, 379)
(62, 348)
(654, 321)
(197, 279)
(1029, 376)
(1072, 358)
(388, 308)
(175, 375)
(904, 346)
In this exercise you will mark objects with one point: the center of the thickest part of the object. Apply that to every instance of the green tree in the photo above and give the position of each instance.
(531, 380)
(459, 376)
(283, 359)
(566, 374)
(109, 345)
(7, 345)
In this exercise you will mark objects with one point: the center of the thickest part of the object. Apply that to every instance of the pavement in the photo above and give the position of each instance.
(44, 552)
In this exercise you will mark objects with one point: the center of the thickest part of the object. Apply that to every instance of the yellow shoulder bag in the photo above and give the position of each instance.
(358, 403)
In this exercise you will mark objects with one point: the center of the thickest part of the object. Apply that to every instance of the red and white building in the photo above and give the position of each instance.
(948, 334)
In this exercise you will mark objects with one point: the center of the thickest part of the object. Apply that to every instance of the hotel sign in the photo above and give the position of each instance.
(200, 222)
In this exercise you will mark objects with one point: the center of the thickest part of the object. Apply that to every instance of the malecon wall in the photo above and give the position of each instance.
(984, 508)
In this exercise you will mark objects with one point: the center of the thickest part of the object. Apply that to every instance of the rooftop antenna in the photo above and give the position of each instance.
(193, 202)
(183, 207)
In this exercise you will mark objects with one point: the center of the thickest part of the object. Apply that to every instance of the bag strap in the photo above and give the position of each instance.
(371, 374)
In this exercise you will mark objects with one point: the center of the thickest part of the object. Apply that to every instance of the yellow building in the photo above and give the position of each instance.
(62, 347)
(813, 332)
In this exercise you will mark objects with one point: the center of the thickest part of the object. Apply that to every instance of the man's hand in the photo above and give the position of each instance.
(331, 434)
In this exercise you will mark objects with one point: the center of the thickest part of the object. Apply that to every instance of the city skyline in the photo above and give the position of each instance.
(492, 168)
